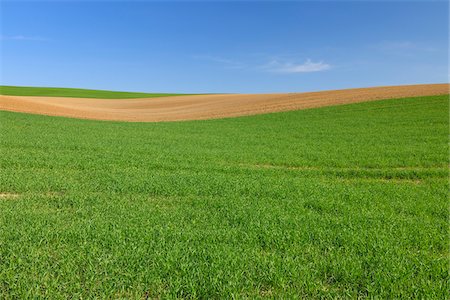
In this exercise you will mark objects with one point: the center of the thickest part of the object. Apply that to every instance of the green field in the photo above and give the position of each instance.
(76, 93)
(339, 202)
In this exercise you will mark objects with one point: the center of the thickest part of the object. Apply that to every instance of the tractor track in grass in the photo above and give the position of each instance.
(201, 107)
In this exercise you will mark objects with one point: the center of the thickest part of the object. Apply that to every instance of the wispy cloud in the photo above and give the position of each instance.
(275, 64)
(289, 67)
(403, 46)
(22, 38)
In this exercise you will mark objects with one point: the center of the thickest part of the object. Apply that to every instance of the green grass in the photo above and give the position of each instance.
(340, 202)
(76, 93)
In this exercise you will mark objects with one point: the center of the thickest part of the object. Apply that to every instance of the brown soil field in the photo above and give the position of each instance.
(200, 107)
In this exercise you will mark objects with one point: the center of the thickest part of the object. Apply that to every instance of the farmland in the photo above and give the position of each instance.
(195, 107)
(72, 93)
(335, 202)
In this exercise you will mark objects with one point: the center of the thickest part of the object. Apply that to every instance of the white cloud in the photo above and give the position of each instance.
(289, 67)
(402, 47)
(276, 65)
(21, 38)
(397, 45)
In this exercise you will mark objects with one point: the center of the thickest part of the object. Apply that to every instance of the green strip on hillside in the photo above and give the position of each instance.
(75, 93)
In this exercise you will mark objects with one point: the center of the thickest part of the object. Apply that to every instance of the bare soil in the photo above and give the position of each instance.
(200, 107)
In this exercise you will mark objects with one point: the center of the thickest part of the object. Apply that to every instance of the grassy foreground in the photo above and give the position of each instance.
(339, 202)
(75, 93)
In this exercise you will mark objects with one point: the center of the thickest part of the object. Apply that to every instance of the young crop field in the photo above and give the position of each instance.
(339, 202)
(76, 93)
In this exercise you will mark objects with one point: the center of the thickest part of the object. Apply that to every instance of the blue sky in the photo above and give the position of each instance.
(206, 47)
